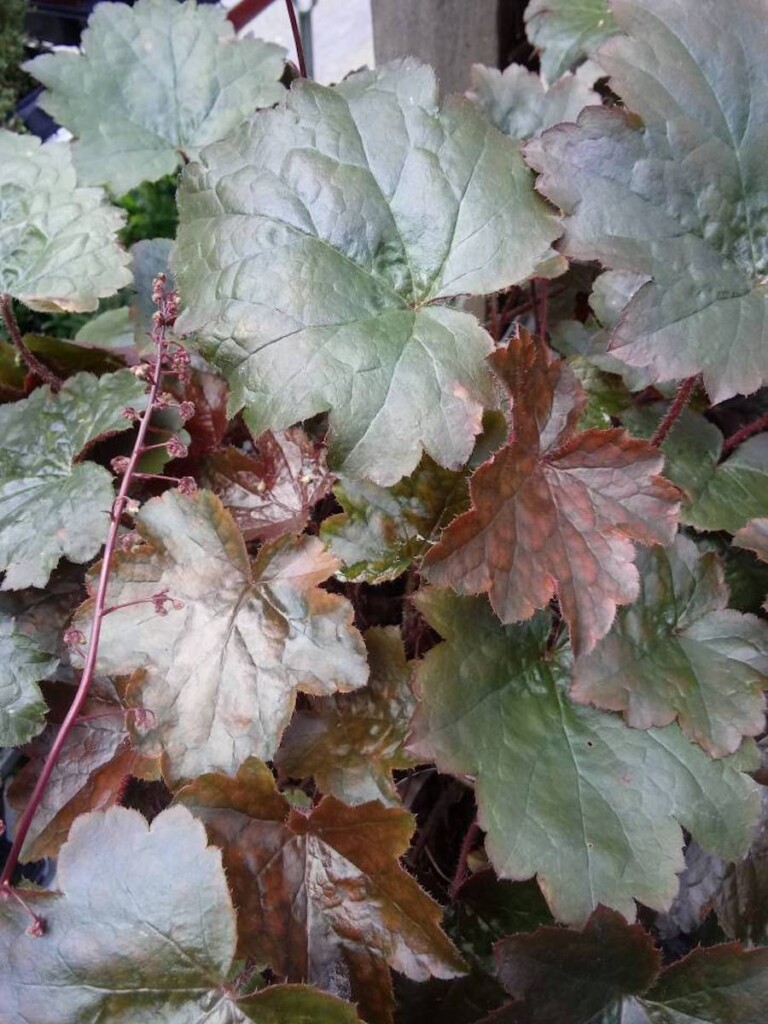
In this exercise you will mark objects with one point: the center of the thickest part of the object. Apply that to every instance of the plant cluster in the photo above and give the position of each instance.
(368, 658)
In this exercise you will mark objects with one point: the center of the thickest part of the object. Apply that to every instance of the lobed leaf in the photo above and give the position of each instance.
(321, 895)
(53, 502)
(572, 977)
(142, 929)
(218, 675)
(565, 792)
(58, 248)
(352, 742)
(383, 530)
(680, 653)
(521, 104)
(567, 31)
(269, 493)
(23, 664)
(674, 190)
(314, 247)
(609, 971)
(723, 494)
(91, 774)
(152, 84)
(555, 511)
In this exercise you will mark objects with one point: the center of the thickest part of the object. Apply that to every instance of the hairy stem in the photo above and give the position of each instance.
(297, 37)
(755, 427)
(461, 867)
(100, 604)
(33, 363)
(682, 398)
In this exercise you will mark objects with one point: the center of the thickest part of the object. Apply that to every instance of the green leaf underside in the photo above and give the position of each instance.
(567, 31)
(352, 742)
(22, 665)
(566, 792)
(721, 495)
(610, 972)
(679, 652)
(142, 929)
(53, 504)
(555, 511)
(314, 244)
(521, 104)
(58, 248)
(154, 82)
(321, 894)
(382, 531)
(678, 193)
(219, 675)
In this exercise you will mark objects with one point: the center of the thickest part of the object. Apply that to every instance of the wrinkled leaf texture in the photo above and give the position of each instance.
(317, 245)
(673, 187)
(566, 792)
(152, 84)
(556, 511)
(219, 674)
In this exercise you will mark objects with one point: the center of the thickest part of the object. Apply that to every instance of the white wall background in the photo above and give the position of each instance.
(342, 35)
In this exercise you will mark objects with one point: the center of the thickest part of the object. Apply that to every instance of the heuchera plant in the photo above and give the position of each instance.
(368, 658)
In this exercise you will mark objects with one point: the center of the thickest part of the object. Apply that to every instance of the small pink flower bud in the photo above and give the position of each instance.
(159, 600)
(73, 637)
(176, 448)
(129, 413)
(120, 463)
(38, 927)
(187, 411)
(187, 486)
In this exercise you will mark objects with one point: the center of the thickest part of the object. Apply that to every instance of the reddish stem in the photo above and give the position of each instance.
(33, 363)
(544, 308)
(536, 312)
(756, 427)
(297, 37)
(682, 398)
(461, 867)
(98, 615)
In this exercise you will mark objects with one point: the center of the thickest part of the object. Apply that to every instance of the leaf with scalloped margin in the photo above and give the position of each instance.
(141, 929)
(23, 664)
(95, 763)
(521, 104)
(269, 492)
(53, 502)
(610, 972)
(321, 895)
(676, 188)
(566, 792)
(219, 675)
(313, 248)
(754, 537)
(383, 530)
(58, 248)
(352, 742)
(722, 495)
(555, 511)
(152, 84)
(556, 974)
(567, 31)
(680, 652)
